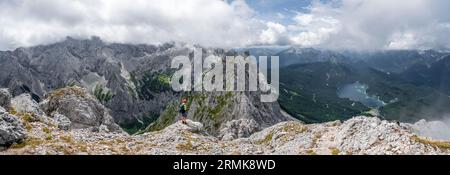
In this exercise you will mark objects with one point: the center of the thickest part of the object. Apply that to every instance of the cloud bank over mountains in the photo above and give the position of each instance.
(335, 24)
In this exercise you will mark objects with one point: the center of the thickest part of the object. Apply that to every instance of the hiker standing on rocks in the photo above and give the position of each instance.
(183, 110)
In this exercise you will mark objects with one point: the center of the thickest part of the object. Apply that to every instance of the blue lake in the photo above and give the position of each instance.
(358, 92)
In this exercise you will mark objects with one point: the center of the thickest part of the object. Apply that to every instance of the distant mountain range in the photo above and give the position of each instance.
(410, 84)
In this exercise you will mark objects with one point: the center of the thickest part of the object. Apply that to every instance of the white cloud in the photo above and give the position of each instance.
(311, 30)
(273, 34)
(402, 41)
(212, 23)
(337, 24)
(373, 24)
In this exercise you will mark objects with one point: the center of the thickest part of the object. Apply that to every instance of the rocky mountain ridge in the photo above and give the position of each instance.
(130, 80)
(25, 133)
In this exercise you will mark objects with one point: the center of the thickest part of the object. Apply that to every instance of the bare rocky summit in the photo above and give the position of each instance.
(357, 136)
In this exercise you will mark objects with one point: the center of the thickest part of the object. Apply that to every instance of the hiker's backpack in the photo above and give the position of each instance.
(182, 108)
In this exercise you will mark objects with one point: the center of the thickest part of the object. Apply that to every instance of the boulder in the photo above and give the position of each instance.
(194, 126)
(371, 135)
(25, 104)
(238, 129)
(5, 99)
(62, 121)
(11, 129)
(191, 126)
(82, 109)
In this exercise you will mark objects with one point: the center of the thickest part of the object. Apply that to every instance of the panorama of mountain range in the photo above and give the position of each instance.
(316, 85)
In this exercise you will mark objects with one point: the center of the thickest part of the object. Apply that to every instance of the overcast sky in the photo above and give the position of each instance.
(333, 24)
